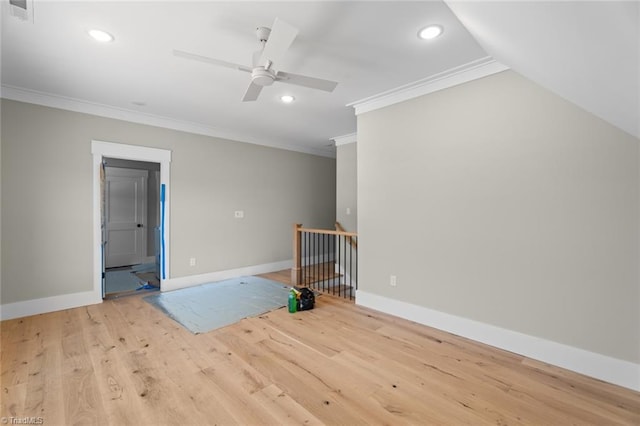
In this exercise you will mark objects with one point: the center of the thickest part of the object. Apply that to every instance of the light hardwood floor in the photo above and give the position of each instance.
(124, 362)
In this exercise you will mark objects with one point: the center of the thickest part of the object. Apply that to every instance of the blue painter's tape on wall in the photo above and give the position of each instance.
(162, 202)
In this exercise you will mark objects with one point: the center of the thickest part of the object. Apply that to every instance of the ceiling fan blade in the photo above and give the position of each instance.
(255, 58)
(208, 60)
(280, 39)
(252, 92)
(303, 80)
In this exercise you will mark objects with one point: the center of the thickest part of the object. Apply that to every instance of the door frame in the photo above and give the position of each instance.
(101, 149)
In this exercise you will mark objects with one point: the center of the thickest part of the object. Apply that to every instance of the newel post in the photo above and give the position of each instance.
(296, 271)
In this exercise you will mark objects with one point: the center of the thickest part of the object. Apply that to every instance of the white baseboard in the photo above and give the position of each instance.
(68, 301)
(612, 370)
(193, 280)
(48, 304)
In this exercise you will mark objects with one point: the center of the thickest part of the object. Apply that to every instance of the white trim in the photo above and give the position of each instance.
(48, 304)
(100, 149)
(345, 139)
(75, 300)
(462, 74)
(193, 280)
(78, 105)
(612, 370)
(130, 152)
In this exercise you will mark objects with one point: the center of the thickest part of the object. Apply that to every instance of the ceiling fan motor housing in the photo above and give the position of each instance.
(262, 77)
(263, 34)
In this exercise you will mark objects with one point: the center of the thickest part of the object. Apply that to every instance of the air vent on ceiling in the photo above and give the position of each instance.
(21, 9)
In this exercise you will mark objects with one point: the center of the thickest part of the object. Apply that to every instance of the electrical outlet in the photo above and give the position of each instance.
(239, 214)
(192, 261)
(348, 210)
(393, 281)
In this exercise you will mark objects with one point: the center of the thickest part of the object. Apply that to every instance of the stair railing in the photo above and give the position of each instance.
(325, 260)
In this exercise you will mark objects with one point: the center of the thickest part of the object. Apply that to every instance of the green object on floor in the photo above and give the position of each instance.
(293, 302)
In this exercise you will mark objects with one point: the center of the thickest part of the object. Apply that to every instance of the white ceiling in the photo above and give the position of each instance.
(585, 51)
(368, 47)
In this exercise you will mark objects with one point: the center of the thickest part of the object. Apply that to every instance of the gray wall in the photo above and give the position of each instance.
(47, 199)
(500, 202)
(346, 186)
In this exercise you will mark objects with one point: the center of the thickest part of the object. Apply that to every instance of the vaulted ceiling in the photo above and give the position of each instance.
(587, 52)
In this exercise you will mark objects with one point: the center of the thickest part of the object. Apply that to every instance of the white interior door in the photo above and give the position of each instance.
(126, 216)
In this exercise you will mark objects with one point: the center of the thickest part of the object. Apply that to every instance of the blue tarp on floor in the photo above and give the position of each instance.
(119, 281)
(209, 306)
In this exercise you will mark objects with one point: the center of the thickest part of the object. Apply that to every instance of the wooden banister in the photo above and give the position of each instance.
(296, 275)
(328, 232)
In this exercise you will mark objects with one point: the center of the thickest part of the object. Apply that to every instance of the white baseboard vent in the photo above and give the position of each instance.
(602, 367)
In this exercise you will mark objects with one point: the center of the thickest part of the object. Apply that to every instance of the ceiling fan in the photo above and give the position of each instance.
(274, 44)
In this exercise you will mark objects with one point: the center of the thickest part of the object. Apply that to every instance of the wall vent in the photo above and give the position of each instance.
(21, 9)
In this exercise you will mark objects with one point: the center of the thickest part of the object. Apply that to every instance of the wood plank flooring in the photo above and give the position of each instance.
(124, 362)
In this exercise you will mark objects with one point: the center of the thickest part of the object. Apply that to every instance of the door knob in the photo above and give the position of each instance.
(139, 225)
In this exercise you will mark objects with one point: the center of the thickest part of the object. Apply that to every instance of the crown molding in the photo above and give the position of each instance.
(452, 77)
(86, 107)
(345, 139)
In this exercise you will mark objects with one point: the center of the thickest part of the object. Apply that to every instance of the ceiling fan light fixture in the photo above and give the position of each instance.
(101, 36)
(262, 77)
(430, 32)
(287, 99)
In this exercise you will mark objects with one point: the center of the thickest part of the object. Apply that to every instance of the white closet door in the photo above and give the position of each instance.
(126, 216)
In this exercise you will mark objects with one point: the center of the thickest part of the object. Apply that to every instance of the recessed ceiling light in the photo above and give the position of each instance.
(101, 36)
(287, 99)
(430, 32)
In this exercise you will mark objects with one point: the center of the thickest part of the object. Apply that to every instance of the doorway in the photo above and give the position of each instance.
(130, 223)
(154, 241)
